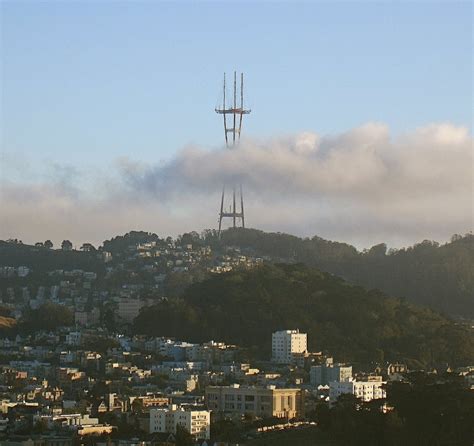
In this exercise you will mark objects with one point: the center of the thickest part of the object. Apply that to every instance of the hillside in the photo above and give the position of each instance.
(347, 321)
(427, 273)
(438, 276)
(42, 260)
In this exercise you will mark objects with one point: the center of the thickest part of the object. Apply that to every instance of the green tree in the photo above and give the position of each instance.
(47, 317)
(355, 325)
(48, 244)
(183, 437)
(66, 245)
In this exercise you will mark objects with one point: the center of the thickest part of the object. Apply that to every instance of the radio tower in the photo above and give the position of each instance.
(233, 127)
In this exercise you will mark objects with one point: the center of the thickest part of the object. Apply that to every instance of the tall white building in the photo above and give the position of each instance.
(365, 390)
(196, 422)
(287, 343)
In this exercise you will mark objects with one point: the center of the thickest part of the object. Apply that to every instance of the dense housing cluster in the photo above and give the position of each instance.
(77, 369)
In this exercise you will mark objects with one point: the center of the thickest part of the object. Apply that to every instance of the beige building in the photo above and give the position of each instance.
(262, 402)
(98, 429)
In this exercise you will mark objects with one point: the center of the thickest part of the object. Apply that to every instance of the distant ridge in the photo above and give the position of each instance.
(438, 276)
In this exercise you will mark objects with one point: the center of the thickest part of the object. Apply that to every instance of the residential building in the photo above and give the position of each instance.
(287, 344)
(74, 338)
(259, 401)
(96, 429)
(365, 390)
(396, 371)
(196, 422)
(322, 375)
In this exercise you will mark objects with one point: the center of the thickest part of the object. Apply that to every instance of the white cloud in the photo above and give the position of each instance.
(361, 186)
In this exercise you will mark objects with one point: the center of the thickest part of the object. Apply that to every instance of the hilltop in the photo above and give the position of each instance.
(427, 273)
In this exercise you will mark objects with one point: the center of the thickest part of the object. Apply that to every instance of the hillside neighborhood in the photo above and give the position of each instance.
(75, 371)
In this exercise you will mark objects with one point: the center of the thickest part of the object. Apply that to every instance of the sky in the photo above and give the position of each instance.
(360, 131)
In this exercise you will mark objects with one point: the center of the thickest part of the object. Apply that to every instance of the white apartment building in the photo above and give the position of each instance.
(196, 422)
(365, 390)
(287, 343)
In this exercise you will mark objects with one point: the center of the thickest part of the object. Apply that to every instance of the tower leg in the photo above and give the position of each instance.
(222, 211)
(232, 126)
(242, 207)
(233, 206)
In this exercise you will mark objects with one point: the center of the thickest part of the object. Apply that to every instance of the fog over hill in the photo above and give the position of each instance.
(363, 186)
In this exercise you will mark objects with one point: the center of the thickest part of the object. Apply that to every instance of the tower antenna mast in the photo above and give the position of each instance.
(235, 130)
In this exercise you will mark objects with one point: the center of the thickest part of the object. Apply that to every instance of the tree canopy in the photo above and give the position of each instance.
(439, 276)
(424, 410)
(47, 317)
(245, 307)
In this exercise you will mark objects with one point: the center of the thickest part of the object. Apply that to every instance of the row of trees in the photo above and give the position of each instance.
(66, 245)
(42, 260)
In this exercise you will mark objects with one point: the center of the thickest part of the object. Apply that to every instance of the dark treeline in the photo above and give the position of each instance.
(42, 259)
(353, 324)
(427, 410)
(48, 317)
(120, 243)
(439, 276)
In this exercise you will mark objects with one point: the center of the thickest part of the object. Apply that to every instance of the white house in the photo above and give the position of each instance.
(365, 390)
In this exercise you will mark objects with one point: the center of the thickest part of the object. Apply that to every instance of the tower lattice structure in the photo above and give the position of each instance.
(233, 115)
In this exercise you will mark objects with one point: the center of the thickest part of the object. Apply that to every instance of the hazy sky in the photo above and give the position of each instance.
(92, 90)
